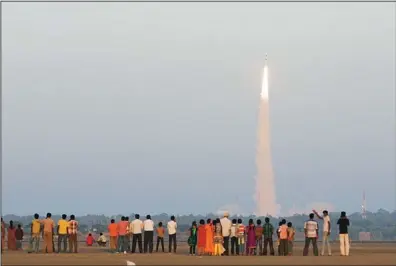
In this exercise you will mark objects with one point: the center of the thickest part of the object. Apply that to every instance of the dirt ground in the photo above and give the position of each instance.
(360, 254)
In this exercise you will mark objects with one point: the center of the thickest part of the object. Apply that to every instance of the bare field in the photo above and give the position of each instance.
(360, 254)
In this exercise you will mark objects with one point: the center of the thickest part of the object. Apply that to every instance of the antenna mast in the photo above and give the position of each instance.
(364, 206)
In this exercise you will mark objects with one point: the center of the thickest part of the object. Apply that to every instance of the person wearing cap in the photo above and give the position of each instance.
(226, 231)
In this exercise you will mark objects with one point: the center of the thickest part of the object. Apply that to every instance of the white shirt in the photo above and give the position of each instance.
(226, 226)
(136, 226)
(233, 230)
(172, 226)
(326, 220)
(148, 225)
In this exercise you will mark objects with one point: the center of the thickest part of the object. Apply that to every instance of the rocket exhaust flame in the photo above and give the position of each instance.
(265, 187)
(264, 85)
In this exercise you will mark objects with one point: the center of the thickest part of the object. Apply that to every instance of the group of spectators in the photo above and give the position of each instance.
(210, 237)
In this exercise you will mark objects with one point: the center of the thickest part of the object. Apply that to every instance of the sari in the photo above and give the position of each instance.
(209, 247)
(201, 236)
(11, 240)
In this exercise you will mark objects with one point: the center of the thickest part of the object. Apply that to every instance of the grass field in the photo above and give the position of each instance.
(360, 254)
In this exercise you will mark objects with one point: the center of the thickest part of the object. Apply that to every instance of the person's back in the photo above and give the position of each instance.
(19, 237)
(113, 233)
(283, 238)
(311, 234)
(290, 237)
(89, 240)
(160, 236)
(172, 227)
(48, 228)
(137, 226)
(343, 224)
(73, 230)
(311, 228)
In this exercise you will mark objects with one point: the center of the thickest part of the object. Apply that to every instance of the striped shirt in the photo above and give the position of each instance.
(72, 227)
(241, 230)
(311, 226)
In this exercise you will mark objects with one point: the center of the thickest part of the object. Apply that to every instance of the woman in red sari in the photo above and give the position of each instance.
(209, 229)
(11, 240)
(201, 238)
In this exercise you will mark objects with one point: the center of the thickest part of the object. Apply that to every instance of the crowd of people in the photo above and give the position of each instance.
(217, 237)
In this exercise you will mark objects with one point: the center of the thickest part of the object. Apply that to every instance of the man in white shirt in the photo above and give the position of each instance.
(172, 226)
(326, 231)
(311, 235)
(148, 226)
(136, 227)
(226, 231)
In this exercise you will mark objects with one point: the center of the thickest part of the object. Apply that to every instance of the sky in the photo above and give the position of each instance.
(115, 108)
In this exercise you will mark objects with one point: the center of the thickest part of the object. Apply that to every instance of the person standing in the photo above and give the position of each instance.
(11, 240)
(122, 235)
(160, 236)
(148, 227)
(343, 224)
(201, 243)
(136, 229)
(290, 237)
(19, 237)
(283, 238)
(48, 231)
(209, 229)
(218, 238)
(113, 234)
(35, 230)
(226, 231)
(251, 238)
(62, 233)
(234, 238)
(259, 238)
(241, 238)
(128, 236)
(72, 228)
(311, 235)
(268, 232)
(326, 231)
(3, 231)
(192, 239)
(172, 227)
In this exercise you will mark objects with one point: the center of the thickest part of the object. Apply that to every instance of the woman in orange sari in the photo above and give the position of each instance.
(209, 229)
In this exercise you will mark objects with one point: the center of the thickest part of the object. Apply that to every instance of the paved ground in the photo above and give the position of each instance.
(361, 254)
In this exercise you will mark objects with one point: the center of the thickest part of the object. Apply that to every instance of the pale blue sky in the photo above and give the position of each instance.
(104, 103)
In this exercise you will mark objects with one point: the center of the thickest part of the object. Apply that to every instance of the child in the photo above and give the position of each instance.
(160, 236)
(241, 237)
(283, 238)
(278, 241)
(259, 238)
(90, 240)
(218, 240)
(19, 237)
(101, 240)
(192, 240)
(290, 233)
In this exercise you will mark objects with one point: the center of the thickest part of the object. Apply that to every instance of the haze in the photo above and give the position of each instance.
(152, 107)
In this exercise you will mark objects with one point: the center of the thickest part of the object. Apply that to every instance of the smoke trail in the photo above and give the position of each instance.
(265, 187)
